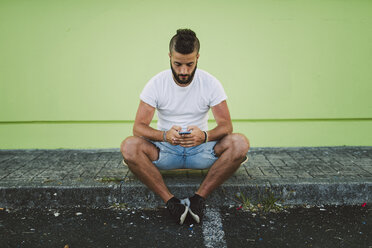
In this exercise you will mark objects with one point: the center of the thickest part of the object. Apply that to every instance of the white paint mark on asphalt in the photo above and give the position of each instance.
(213, 233)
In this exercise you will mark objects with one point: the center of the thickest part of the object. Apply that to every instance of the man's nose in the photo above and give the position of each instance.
(184, 70)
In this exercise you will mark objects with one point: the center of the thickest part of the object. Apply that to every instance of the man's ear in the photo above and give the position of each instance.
(170, 55)
(197, 56)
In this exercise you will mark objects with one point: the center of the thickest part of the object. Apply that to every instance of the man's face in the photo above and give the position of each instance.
(183, 66)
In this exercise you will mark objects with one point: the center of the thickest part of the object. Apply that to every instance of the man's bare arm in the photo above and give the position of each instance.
(224, 126)
(141, 127)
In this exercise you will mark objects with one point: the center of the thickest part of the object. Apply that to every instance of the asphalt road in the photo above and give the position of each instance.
(324, 226)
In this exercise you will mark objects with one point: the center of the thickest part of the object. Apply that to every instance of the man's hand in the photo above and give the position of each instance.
(196, 137)
(172, 136)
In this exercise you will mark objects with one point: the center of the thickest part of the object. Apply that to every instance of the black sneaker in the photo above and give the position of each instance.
(197, 206)
(177, 210)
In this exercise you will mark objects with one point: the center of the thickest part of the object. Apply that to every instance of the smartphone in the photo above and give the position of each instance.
(184, 132)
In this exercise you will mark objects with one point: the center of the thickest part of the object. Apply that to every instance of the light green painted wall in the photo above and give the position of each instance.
(297, 73)
(260, 133)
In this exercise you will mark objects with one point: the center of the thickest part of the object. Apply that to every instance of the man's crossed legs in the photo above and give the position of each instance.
(139, 154)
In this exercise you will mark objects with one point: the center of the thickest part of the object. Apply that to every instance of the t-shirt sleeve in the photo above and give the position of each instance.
(217, 93)
(149, 94)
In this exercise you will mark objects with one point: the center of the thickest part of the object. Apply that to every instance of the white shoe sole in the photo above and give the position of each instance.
(194, 216)
(183, 216)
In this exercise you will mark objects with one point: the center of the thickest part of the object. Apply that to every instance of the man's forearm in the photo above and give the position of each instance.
(145, 131)
(219, 132)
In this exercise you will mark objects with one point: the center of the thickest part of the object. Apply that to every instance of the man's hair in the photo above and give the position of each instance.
(185, 42)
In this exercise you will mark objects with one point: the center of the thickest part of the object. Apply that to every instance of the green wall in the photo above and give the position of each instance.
(297, 73)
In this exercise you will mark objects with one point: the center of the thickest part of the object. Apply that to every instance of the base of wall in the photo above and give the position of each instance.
(260, 133)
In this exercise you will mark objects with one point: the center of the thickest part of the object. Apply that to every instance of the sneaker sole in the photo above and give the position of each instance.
(183, 216)
(194, 216)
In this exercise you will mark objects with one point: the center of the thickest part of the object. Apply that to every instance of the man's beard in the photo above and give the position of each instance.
(186, 81)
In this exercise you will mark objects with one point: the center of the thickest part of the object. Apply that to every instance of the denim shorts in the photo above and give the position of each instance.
(177, 157)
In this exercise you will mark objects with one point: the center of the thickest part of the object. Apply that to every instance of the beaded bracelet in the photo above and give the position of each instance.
(165, 136)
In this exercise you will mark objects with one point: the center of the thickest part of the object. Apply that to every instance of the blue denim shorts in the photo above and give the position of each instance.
(177, 157)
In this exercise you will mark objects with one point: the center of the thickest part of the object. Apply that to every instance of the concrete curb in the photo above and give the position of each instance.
(139, 196)
(97, 178)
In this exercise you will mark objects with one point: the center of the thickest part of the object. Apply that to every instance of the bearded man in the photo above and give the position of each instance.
(182, 96)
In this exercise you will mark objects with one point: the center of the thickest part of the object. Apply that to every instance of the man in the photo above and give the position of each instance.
(183, 95)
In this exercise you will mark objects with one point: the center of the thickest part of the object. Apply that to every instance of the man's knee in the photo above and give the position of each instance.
(239, 144)
(241, 141)
(130, 147)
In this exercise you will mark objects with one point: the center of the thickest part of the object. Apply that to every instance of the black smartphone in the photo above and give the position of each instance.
(184, 132)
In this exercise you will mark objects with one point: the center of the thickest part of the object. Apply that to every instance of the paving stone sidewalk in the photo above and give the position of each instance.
(54, 178)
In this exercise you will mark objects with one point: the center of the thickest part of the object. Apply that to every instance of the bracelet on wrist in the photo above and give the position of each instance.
(165, 136)
(205, 137)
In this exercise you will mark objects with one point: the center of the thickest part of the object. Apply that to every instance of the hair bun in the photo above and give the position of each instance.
(185, 32)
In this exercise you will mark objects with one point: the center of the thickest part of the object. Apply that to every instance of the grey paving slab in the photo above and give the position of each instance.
(321, 175)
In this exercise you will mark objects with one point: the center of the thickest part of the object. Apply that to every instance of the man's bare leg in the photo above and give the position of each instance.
(138, 154)
(231, 151)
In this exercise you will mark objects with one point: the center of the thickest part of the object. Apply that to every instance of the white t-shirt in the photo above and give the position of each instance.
(183, 106)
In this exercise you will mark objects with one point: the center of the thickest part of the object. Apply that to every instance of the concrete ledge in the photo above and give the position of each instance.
(68, 178)
(140, 196)
(56, 197)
